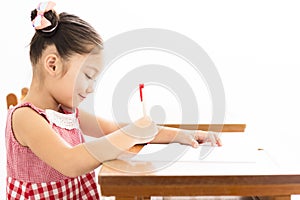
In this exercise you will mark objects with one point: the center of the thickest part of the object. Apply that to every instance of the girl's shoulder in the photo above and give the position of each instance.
(34, 116)
(25, 107)
(22, 117)
(26, 110)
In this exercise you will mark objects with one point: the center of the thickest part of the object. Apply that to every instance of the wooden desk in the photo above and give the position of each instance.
(262, 178)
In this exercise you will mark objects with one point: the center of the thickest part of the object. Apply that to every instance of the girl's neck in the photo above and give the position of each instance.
(65, 110)
(41, 99)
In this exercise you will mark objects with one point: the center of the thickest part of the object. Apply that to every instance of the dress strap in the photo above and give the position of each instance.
(33, 107)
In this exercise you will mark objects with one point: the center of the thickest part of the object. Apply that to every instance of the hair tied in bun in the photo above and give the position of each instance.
(40, 21)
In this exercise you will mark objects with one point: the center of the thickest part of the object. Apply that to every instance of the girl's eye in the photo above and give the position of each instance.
(89, 77)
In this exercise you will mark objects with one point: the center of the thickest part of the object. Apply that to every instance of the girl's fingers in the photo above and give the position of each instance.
(214, 139)
(194, 143)
(203, 137)
(219, 142)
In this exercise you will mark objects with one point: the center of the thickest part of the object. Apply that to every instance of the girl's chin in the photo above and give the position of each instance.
(70, 108)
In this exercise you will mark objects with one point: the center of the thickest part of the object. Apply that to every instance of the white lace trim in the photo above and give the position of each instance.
(67, 121)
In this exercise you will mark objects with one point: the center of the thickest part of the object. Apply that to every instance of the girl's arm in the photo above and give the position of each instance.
(33, 131)
(94, 126)
(97, 127)
(188, 137)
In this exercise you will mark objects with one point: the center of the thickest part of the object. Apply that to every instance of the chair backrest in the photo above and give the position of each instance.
(24, 92)
(11, 100)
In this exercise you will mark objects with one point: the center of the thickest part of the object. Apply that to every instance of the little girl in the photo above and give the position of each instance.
(47, 157)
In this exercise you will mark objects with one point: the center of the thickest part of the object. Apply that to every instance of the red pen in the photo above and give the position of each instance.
(141, 86)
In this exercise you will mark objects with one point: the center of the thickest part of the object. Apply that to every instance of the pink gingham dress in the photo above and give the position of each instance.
(28, 177)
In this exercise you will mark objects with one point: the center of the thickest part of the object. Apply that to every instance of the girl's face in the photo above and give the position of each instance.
(79, 80)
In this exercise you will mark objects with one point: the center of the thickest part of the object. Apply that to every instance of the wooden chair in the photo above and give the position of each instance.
(12, 99)
(24, 92)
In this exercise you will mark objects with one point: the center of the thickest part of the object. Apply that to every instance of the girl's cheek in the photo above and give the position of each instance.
(79, 79)
(81, 82)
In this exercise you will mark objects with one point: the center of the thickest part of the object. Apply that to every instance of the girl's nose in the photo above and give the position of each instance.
(91, 87)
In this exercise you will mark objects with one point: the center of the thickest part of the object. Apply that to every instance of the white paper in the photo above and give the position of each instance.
(234, 151)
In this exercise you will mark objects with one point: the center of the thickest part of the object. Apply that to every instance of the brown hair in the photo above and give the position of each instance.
(67, 32)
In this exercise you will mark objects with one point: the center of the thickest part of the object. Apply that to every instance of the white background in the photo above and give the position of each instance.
(255, 46)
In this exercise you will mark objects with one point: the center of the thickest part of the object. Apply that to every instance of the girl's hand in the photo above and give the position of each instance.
(194, 138)
(145, 130)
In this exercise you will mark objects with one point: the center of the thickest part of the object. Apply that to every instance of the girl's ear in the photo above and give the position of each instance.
(53, 65)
